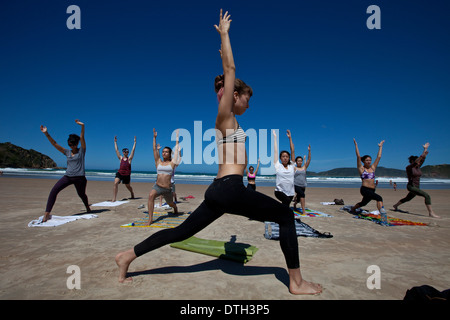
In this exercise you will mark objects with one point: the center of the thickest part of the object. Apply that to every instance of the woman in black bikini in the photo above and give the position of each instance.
(227, 193)
(367, 172)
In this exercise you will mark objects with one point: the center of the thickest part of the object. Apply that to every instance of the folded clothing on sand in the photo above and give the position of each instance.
(59, 220)
(239, 252)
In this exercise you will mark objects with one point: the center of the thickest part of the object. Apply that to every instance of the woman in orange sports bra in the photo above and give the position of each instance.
(367, 172)
(227, 194)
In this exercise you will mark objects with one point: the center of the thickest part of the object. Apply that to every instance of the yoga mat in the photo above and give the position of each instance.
(239, 252)
(309, 213)
(161, 220)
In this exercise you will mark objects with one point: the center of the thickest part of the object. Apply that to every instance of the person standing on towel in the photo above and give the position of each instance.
(300, 175)
(367, 172)
(251, 176)
(414, 173)
(284, 170)
(227, 193)
(75, 169)
(164, 171)
(124, 172)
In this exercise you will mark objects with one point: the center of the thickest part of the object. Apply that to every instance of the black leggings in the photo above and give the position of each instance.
(80, 184)
(368, 194)
(229, 195)
(286, 200)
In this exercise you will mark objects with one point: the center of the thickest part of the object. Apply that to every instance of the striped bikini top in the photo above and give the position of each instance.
(238, 136)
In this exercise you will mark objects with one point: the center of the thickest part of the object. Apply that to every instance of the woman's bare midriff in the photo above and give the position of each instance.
(369, 183)
(163, 180)
(232, 159)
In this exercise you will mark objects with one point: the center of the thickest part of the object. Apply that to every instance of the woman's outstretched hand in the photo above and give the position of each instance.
(224, 23)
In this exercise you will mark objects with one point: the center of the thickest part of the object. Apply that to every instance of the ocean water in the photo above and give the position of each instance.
(206, 179)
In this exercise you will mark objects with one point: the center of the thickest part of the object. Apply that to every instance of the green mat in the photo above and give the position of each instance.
(239, 252)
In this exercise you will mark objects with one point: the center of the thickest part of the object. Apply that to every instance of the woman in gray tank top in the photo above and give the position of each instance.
(300, 176)
(75, 169)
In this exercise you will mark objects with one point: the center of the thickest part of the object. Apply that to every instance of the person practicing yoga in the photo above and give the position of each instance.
(75, 169)
(124, 172)
(227, 193)
(367, 172)
(164, 172)
(284, 171)
(414, 173)
(299, 175)
(251, 176)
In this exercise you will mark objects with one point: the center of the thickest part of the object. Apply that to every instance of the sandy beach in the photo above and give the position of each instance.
(34, 260)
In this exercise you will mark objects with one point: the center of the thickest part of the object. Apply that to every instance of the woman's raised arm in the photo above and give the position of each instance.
(225, 117)
(53, 142)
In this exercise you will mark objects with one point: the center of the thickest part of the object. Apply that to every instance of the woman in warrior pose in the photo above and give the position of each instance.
(124, 172)
(227, 193)
(300, 175)
(251, 176)
(75, 169)
(165, 168)
(414, 173)
(367, 172)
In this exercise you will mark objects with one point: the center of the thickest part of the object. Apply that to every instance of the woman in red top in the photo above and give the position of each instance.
(124, 172)
(414, 173)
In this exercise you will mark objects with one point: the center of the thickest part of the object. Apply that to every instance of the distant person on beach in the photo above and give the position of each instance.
(414, 173)
(124, 173)
(75, 169)
(227, 194)
(300, 175)
(165, 168)
(367, 172)
(284, 172)
(251, 176)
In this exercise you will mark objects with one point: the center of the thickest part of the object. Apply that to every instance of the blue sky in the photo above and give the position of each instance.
(314, 66)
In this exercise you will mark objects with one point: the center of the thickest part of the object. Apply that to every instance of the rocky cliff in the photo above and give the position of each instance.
(13, 156)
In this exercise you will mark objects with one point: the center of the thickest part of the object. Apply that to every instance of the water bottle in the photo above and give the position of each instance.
(383, 215)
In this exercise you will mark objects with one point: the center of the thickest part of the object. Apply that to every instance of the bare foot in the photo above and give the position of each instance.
(123, 261)
(47, 216)
(305, 288)
(433, 215)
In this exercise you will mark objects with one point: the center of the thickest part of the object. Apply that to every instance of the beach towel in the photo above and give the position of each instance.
(309, 213)
(109, 203)
(161, 220)
(58, 220)
(272, 231)
(239, 252)
(375, 217)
